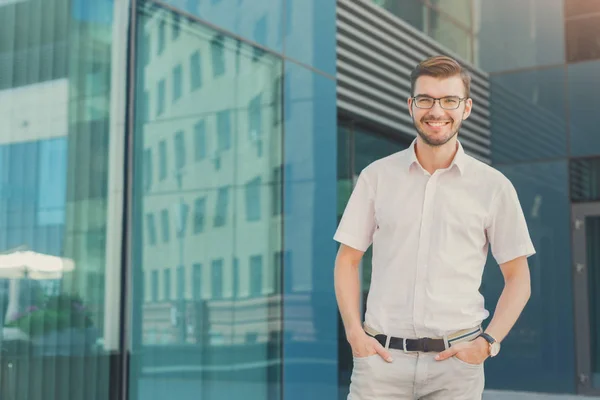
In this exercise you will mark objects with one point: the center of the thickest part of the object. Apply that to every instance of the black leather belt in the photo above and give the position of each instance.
(423, 344)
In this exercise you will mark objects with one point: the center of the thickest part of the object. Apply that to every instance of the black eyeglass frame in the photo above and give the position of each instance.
(439, 100)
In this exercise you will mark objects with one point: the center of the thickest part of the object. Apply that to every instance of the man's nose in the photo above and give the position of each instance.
(436, 110)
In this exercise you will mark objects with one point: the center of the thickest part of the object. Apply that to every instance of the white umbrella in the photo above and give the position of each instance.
(32, 265)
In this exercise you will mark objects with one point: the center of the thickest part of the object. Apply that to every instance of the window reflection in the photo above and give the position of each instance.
(219, 169)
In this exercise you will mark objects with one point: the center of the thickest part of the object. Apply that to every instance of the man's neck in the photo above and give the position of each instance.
(433, 158)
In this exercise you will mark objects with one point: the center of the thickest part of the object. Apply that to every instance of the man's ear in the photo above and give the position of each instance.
(409, 101)
(468, 108)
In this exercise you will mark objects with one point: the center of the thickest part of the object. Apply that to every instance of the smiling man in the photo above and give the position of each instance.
(431, 213)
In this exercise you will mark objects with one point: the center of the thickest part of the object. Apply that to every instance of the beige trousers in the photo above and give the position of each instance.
(415, 376)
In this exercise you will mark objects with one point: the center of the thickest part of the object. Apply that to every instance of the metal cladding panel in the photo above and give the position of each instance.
(376, 51)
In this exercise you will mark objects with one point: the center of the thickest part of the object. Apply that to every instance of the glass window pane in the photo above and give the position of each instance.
(460, 10)
(584, 104)
(447, 33)
(223, 130)
(256, 275)
(164, 220)
(412, 11)
(197, 281)
(585, 179)
(160, 97)
(583, 39)
(179, 149)
(195, 71)
(155, 281)
(542, 188)
(162, 159)
(524, 103)
(177, 82)
(59, 330)
(253, 205)
(516, 34)
(209, 173)
(199, 214)
(151, 229)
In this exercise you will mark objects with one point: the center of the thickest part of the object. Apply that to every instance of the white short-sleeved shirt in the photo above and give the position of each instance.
(430, 237)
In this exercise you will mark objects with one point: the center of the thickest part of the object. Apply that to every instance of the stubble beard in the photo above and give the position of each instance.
(435, 142)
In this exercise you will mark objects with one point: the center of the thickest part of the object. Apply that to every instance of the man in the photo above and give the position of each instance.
(431, 212)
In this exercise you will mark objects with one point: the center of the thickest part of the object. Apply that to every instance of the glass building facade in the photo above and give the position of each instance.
(172, 173)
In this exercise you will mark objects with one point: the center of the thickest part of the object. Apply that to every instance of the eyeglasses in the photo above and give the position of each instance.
(447, 103)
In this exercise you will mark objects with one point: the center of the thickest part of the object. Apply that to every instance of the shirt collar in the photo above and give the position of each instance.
(459, 159)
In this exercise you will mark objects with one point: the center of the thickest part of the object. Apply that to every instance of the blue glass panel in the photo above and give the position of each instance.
(584, 105)
(519, 34)
(256, 20)
(538, 354)
(528, 115)
(310, 33)
(310, 354)
(219, 336)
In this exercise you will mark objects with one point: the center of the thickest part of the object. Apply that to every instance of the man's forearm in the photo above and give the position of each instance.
(347, 292)
(512, 301)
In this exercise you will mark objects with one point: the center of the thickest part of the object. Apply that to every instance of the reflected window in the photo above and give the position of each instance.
(217, 50)
(195, 71)
(167, 284)
(200, 140)
(255, 123)
(164, 220)
(217, 279)
(154, 285)
(197, 281)
(277, 187)
(176, 25)
(179, 149)
(177, 82)
(583, 39)
(222, 206)
(162, 160)
(151, 229)
(180, 282)
(182, 214)
(256, 275)
(253, 205)
(223, 130)
(160, 97)
(283, 260)
(199, 214)
(162, 36)
(236, 278)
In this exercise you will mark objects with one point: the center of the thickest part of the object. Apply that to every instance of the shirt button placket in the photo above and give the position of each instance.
(423, 255)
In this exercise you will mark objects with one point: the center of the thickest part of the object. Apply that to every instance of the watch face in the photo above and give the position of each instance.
(494, 349)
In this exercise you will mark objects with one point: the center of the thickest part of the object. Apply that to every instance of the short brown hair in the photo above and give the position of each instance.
(440, 67)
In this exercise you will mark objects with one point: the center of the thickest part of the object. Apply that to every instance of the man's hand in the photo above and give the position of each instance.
(364, 345)
(474, 352)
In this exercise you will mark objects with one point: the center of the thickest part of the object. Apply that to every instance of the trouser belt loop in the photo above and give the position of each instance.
(387, 342)
(446, 344)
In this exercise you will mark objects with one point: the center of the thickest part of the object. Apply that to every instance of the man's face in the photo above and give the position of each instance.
(436, 125)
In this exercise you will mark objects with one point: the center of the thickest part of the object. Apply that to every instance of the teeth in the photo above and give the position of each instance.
(437, 123)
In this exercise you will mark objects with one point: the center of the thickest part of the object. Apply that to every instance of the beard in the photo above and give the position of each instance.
(436, 141)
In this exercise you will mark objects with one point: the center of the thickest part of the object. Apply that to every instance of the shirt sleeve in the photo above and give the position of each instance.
(357, 225)
(507, 230)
